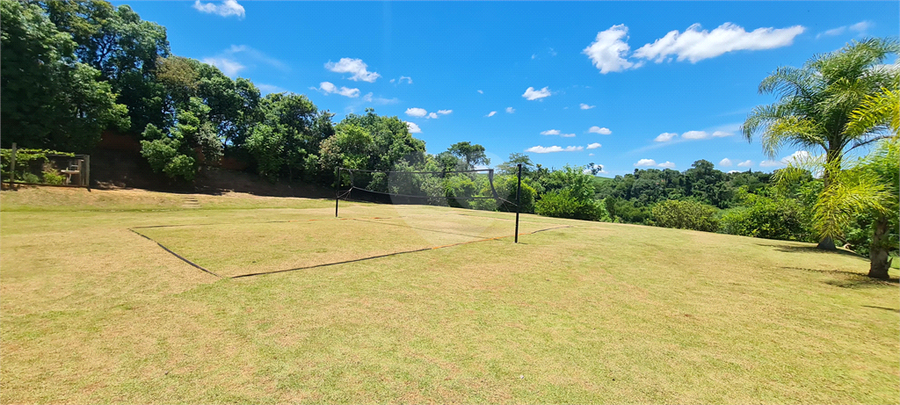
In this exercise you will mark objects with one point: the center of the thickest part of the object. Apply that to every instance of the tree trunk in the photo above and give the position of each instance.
(827, 243)
(878, 251)
(832, 157)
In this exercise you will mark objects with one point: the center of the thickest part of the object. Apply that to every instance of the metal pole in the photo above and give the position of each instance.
(337, 185)
(12, 166)
(87, 171)
(518, 189)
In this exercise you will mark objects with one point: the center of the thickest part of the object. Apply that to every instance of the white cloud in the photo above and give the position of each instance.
(369, 98)
(567, 135)
(532, 94)
(421, 112)
(510, 110)
(407, 78)
(667, 165)
(746, 163)
(586, 107)
(328, 88)
(416, 112)
(652, 163)
(413, 128)
(594, 146)
(597, 130)
(734, 171)
(269, 88)
(551, 149)
(491, 114)
(608, 51)
(833, 32)
(797, 158)
(590, 154)
(665, 137)
(695, 44)
(695, 135)
(480, 92)
(860, 27)
(229, 67)
(355, 66)
(228, 8)
(721, 134)
(533, 56)
(725, 162)
(550, 132)
(238, 57)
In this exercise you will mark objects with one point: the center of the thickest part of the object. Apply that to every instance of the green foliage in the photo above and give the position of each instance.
(685, 215)
(566, 203)
(29, 158)
(627, 211)
(53, 176)
(170, 153)
(817, 101)
(768, 217)
(49, 99)
(571, 195)
(510, 167)
(471, 154)
(122, 47)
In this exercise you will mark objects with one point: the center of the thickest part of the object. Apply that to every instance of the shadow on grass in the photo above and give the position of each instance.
(812, 249)
(850, 279)
(884, 308)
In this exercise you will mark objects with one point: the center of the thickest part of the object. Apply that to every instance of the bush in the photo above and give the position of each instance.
(770, 218)
(685, 215)
(51, 176)
(565, 204)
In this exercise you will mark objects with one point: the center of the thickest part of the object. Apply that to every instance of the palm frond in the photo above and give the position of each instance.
(880, 109)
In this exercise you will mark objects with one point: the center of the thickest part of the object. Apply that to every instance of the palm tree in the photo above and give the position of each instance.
(883, 109)
(816, 103)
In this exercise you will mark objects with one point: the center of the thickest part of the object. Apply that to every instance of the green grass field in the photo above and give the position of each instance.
(92, 312)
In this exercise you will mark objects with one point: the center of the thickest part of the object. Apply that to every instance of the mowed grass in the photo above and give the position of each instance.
(91, 312)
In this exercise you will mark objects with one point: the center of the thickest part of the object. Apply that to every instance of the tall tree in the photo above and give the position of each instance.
(472, 154)
(816, 102)
(49, 100)
(124, 48)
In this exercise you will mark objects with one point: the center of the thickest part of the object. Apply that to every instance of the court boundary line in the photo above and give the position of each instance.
(195, 265)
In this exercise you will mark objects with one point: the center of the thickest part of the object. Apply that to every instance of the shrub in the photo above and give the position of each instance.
(566, 204)
(770, 218)
(51, 176)
(685, 215)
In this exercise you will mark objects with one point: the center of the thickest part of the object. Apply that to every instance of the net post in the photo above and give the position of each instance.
(12, 167)
(518, 190)
(337, 186)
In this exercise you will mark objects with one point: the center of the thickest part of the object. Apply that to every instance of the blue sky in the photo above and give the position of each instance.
(621, 84)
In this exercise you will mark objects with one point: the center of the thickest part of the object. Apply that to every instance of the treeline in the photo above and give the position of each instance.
(72, 69)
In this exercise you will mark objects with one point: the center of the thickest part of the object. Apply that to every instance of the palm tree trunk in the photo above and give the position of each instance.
(827, 243)
(831, 157)
(878, 252)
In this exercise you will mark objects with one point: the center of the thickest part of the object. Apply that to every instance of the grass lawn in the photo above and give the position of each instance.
(92, 312)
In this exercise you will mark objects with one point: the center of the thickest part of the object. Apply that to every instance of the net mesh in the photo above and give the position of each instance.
(474, 189)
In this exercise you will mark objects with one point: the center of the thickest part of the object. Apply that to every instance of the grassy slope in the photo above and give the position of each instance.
(597, 312)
